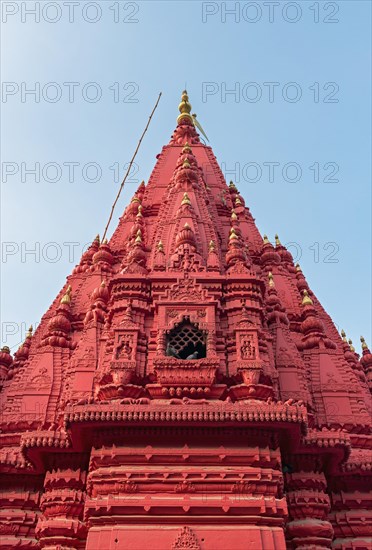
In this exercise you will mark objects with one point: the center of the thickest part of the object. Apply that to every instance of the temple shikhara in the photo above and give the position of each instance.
(186, 389)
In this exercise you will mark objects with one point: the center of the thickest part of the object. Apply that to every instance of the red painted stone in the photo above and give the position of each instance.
(186, 390)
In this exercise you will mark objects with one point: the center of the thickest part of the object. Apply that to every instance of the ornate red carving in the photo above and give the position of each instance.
(183, 369)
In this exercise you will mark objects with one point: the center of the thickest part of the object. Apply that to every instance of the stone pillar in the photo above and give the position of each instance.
(61, 527)
(308, 506)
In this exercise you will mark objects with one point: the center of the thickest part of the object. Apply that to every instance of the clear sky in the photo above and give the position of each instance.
(295, 135)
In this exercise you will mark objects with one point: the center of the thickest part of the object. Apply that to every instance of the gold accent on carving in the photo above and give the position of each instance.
(364, 345)
(271, 280)
(306, 300)
(186, 199)
(67, 297)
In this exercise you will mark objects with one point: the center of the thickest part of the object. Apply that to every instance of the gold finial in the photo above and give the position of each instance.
(97, 239)
(186, 226)
(103, 284)
(212, 246)
(238, 201)
(233, 234)
(186, 148)
(139, 211)
(67, 297)
(105, 242)
(30, 332)
(186, 164)
(364, 345)
(186, 199)
(266, 240)
(184, 107)
(271, 280)
(138, 238)
(351, 345)
(234, 216)
(160, 246)
(298, 268)
(277, 241)
(233, 186)
(306, 300)
(343, 335)
(5, 349)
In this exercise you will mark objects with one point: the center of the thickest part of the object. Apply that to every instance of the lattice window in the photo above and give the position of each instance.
(186, 341)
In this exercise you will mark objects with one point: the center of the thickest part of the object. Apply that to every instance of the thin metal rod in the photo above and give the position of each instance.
(129, 168)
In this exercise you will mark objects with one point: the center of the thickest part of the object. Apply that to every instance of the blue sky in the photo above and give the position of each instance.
(301, 81)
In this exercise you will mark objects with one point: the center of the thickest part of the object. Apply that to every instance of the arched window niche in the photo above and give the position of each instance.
(186, 341)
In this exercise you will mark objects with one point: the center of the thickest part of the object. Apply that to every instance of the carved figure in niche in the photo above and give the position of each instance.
(247, 349)
(124, 350)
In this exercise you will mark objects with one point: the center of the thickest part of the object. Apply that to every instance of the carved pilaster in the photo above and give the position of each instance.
(62, 504)
(308, 507)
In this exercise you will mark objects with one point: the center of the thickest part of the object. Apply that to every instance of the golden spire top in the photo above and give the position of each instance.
(277, 241)
(212, 246)
(160, 246)
(238, 202)
(30, 332)
(343, 335)
(186, 164)
(306, 300)
(266, 240)
(139, 211)
(351, 345)
(298, 268)
(67, 297)
(184, 107)
(97, 239)
(105, 242)
(271, 280)
(234, 215)
(138, 238)
(364, 345)
(233, 186)
(186, 199)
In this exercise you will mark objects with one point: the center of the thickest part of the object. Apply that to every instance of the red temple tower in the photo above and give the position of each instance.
(186, 389)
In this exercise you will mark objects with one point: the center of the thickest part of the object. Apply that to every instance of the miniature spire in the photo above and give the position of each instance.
(266, 240)
(343, 335)
(67, 297)
(234, 215)
(298, 268)
(277, 241)
(30, 332)
(271, 280)
(233, 186)
(306, 300)
(364, 345)
(184, 107)
(350, 342)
